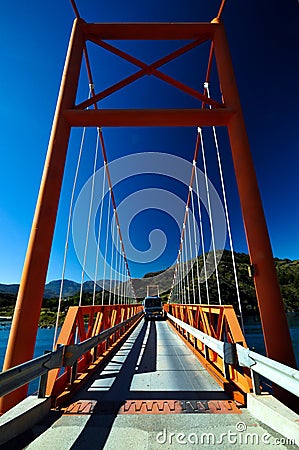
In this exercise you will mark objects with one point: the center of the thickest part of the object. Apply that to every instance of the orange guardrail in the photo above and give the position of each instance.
(81, 323)
(219, 322)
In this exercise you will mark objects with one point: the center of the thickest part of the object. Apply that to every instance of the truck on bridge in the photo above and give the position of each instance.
(152, 304)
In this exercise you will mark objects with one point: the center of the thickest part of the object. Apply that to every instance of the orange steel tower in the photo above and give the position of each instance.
(69, 114)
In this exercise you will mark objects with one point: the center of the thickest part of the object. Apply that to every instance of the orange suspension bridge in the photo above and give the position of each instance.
(108, 367)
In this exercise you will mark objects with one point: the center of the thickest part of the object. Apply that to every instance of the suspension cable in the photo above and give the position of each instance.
(120, 290)
(202, 235)
(194, 176)
(91, 83)
(112, 257)
(176, 286)
(123, 280)
(186, 266)
(183, 275)
(89, 219)
(178, 277)
(115, 300)
(183, 279)
(106, 247)
(118, 269)
(68, 233)
(227, 215)
(187, 205)
(180, 285)
(114, 204)
(191, 264)
(196, 247)
(99, 239)
(210, 216)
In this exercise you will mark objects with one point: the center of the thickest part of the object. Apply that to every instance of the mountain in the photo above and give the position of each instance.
(9, 288)
(161, 279)
(287, 270)
(52, 289)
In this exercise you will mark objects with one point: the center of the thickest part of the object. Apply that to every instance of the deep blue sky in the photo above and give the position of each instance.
(264, 43)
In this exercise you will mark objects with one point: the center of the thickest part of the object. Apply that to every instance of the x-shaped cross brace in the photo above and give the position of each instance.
(148, 69)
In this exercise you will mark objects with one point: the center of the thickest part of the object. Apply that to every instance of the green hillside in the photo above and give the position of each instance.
(288, 275)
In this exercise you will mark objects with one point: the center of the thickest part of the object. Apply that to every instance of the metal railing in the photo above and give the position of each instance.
(280, 374)
(68, 355)
(20, 375)
(64, 356)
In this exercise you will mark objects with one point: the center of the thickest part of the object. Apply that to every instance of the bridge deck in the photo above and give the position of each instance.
(152, 365)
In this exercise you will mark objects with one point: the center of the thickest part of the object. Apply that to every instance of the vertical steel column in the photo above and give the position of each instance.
(26, 316)
(275, 327)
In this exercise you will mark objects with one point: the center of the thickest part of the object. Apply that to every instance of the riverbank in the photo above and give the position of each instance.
(47, 316)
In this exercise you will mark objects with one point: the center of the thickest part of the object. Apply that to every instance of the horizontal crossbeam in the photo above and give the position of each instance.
(149, 31)
(148, 117)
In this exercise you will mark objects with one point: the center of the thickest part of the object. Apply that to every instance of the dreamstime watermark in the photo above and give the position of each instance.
(161, 199)
(239, 436)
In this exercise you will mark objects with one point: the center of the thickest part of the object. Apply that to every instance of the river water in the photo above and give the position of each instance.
(254, 336)
(253, 333)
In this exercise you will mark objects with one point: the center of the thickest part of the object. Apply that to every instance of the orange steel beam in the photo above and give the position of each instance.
(275, 327)
(24, 327)
(76, 11)
(148, 117)
(265, 277)
(221, 9)
(149, 31)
